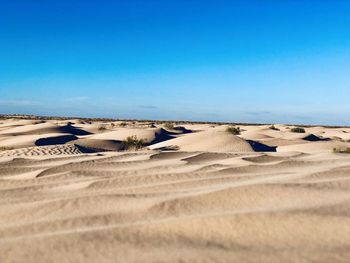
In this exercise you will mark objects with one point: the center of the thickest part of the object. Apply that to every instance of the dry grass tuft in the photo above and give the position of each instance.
(169, 126)
(132, 143)
(273, 127)
(339, 150)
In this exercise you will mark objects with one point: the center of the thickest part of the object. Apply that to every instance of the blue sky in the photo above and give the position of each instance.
(243, 61)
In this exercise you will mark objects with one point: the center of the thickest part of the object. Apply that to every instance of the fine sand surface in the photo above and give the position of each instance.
(196, 193)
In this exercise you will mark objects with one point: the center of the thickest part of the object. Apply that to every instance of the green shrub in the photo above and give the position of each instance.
(298, 130)
(234, 130)
(132, 143)
(338, 150)
(273, 127)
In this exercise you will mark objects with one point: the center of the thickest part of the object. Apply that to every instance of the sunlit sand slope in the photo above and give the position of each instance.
(195, 194)
(173, 206)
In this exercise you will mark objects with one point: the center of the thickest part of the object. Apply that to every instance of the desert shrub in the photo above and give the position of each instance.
(298, 130)
(338, 150)
(273, 127)
(132, 143)
(102, 128)
(39, 122)
(169, 126)
(234, 130)
(123, 124)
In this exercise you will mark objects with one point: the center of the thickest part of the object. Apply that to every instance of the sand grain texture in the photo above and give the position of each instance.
(213, 199)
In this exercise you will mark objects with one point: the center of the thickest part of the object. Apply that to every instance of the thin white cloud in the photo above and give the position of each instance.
(17, 103)
(77, 99)
(149, 107)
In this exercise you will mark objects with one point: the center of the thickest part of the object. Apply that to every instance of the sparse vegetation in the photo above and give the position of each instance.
(338, 150)
(102, 128)
(169, 126)
(4, 148)
(273, 127)
(298, 130)
(39, 122)
(132, 143)
(234, 130)
(123, 124)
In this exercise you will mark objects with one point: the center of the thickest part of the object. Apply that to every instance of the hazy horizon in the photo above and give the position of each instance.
(243, 61)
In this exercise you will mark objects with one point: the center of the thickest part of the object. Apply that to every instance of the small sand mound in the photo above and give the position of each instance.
(260, 147)
(150, 136)
(170, 155)
(42, 151)
(313, 147)
(179, 130)
(264, 159)
(314, 138)
(23, 141)
(282, 142)
(62, 139)
(337, 134)
(254, 135)
(95, 145)
(44, 128)
(207, 157)
(212, 141)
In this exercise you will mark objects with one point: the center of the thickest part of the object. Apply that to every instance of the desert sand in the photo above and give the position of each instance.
(70, 192)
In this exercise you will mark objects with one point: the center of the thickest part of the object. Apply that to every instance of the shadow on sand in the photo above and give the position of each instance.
(259, 147)
(55, 140)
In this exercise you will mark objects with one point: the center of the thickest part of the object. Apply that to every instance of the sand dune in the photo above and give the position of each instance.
(150, 135)
(97, 145)
(68, 194)
(44, 150)
(43, 128)
(212, 141)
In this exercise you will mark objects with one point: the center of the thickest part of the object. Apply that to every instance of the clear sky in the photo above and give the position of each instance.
(285, 61)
